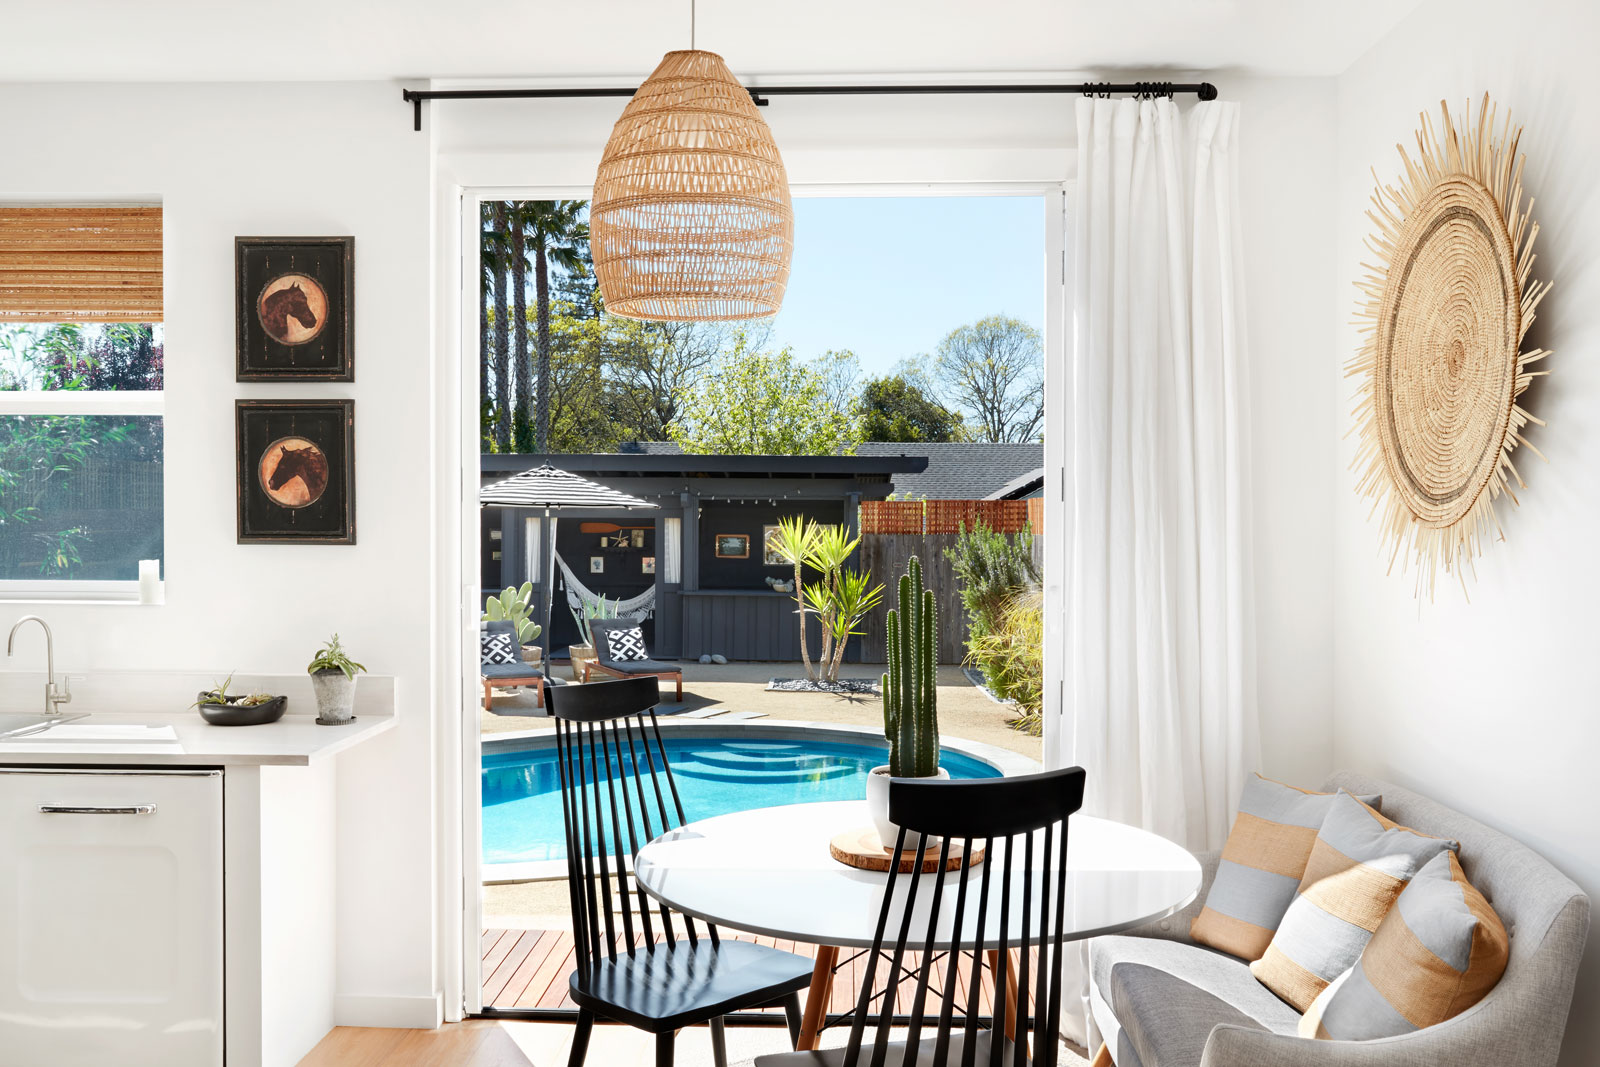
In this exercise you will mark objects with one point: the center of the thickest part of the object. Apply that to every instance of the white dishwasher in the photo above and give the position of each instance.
(110, 917)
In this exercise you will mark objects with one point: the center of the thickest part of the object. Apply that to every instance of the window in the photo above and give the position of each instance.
(81, 403)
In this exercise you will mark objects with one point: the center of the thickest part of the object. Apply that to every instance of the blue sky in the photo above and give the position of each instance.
(887, 277)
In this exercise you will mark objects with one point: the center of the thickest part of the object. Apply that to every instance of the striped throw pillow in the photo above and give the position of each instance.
(1261, 866)
(1438, 952)
(1358, 866)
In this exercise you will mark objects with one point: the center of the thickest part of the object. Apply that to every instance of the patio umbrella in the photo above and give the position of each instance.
(552, 489)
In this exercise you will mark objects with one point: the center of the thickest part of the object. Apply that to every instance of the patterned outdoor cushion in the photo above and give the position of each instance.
(626, 645)
(1438, 952)
(496, 648)
(1261, 866)
(1358, 866)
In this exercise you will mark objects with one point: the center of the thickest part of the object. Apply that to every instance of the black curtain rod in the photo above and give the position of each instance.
(1204, 90)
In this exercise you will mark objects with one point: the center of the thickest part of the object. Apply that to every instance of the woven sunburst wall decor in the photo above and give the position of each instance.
(1445, 310)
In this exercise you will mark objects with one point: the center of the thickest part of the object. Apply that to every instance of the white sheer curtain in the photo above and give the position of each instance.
(1159, 701)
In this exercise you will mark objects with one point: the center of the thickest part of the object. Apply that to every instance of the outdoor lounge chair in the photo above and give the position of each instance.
(509, 675)
(607, 663)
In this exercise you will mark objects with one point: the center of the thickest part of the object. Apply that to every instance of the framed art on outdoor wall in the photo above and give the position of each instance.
(293, 315)
(296, 471)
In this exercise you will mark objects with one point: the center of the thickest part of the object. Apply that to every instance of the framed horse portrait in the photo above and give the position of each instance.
(296, 471)
(293, 312)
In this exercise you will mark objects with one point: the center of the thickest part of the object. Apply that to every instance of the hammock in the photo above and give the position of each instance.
(580, 597)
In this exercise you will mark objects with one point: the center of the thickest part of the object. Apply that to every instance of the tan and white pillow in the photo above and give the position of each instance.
(1359, 864)
(1438, 952)
(1262, 863)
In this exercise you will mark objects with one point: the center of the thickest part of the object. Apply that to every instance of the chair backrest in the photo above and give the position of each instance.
(617, 793)
(1008, 817)
(602, 629)
(500, 626)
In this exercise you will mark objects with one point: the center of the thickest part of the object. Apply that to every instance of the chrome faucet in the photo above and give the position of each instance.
(54, 696)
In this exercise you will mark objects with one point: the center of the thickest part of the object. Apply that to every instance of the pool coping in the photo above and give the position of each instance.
(1007, 762)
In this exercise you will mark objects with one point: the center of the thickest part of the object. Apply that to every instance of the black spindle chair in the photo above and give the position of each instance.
(1014, 899)
(617, 793)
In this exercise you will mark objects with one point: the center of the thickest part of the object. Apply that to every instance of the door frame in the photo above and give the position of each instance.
(457, 408)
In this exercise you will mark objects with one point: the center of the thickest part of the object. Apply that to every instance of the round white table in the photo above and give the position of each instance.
(768, 871)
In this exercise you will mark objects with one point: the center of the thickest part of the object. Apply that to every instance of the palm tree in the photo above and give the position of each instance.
(491, 258)
(502, 336)
(557, 231)
(521, 418)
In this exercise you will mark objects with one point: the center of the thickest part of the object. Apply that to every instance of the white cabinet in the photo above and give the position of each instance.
(111, 917)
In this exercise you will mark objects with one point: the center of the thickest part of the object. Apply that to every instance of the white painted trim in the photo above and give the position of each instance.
(83, 402)
(391, 1012)
(68, 591)
(1057, 556)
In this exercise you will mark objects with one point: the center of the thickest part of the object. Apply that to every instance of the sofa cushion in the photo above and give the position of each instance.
(1156, 1001)
(1358, 866)
(1439, 951)
(1261, 866)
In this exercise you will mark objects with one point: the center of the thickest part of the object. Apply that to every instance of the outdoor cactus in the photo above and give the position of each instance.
(514, 604)
(910, 685)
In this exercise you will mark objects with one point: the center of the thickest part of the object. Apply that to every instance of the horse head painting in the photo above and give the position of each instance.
(301, 300)
(289, 461)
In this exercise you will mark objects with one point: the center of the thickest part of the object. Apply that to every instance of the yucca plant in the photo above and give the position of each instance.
(795, 540)
(910, 685)
(841, 603)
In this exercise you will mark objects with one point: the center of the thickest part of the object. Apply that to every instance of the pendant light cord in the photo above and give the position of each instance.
(691, 25)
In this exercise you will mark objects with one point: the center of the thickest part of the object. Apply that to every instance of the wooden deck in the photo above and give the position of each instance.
(531, 969)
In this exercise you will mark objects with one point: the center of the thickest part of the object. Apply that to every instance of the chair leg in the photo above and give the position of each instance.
(791, 1011)
(664, 1043)
(488, 695)
(1103, 1057)
(719, 1043)
(580, 1038)
(538, 693)
(680, 687)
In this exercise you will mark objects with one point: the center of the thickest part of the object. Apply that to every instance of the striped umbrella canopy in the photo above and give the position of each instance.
(550, 487)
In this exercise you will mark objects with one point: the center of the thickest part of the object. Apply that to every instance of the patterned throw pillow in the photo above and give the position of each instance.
(1358, 866)
(1261, 866)
(496, 648)
(1438, 952)
(626, 644)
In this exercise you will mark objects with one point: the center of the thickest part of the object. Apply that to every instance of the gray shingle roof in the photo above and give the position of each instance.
(959, 471)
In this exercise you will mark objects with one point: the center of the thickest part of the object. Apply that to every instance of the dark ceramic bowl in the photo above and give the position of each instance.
(258, 715)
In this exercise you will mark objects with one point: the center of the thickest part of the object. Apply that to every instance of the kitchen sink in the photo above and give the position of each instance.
(20, 723)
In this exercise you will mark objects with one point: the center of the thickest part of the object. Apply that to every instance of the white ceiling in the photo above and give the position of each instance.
(229, 40)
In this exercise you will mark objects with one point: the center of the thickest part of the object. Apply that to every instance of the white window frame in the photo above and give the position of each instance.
(90, 403)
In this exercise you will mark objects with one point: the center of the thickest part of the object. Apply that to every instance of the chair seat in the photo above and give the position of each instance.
(674, 987)
(835, 1057)
(1157, 1001)
(640, 666)
(498, 671)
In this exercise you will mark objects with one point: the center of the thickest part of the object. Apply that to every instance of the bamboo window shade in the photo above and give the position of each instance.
(80, 263)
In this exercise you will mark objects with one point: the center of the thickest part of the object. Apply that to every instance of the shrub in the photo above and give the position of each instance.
(1011, 656)
(994, 569)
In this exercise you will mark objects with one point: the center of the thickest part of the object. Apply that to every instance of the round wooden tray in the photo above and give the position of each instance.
(861, 848)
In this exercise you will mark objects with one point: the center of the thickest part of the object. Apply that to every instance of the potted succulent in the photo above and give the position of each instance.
(221, 708)
(584, 653)
(333, 677)
(910, 700)
(515, 605)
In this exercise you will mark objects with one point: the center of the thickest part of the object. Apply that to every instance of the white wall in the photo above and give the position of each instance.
(1489, 706)
(232, 160)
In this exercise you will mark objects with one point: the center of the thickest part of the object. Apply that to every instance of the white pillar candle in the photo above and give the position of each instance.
(149, 581)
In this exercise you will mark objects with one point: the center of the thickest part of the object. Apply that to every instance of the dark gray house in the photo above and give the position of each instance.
(966, 470)
(697, 563)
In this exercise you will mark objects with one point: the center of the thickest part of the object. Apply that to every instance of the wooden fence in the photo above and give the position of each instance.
(949, 516)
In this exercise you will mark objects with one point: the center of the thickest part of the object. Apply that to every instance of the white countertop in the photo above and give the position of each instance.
(159, 699)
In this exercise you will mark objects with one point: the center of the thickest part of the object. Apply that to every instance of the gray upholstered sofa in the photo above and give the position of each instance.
(1159, 1000)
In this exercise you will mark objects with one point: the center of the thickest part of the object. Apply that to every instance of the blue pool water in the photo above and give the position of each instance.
(715, 776)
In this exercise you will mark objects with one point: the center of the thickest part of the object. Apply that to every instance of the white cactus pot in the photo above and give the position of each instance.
(336, 697)
(878, 808)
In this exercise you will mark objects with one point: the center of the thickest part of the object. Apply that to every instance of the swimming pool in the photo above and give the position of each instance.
(715, 775)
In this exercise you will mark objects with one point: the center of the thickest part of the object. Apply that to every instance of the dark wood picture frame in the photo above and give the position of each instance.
(272, 514)
(313, 274)
(745, 538)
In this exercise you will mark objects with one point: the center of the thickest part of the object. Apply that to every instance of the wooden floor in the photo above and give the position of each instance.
(531, 969)
(474, 1043)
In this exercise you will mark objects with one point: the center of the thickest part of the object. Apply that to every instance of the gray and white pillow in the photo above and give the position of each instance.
(627, 645)
(496, 648)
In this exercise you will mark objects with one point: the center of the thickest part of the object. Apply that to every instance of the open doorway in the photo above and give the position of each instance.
(900, 395)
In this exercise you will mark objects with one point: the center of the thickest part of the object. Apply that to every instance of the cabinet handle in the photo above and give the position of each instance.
(67, 809)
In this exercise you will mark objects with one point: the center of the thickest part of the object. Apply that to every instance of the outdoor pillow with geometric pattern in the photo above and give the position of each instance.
(627, 645)
(496, 648)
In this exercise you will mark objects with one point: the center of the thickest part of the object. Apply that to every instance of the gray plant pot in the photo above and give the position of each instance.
(336, 697)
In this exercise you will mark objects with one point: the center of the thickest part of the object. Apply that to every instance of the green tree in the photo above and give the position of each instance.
(994, 368)
(556, 232)
(893, 409)
(501, 223)
(757, 401)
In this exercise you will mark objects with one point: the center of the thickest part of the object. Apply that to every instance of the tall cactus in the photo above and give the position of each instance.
(910, 685)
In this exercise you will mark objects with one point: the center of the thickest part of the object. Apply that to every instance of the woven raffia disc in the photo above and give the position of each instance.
(1442, 367)
(691, 219)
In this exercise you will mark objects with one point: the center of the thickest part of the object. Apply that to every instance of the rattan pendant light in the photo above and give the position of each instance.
(691, 219)
(1446, 305)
